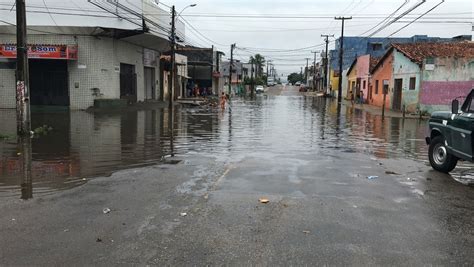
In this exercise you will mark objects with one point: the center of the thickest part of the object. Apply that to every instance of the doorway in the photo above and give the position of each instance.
(150, 93)
(397, 94)
(128, 83)
(49, 83)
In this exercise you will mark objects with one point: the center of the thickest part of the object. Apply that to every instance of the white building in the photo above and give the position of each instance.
(85, 51)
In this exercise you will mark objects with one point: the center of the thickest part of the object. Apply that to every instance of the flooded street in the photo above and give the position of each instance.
(86, 145)
(152, 188)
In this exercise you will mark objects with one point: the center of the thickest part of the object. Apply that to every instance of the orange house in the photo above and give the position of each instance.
(381, 79)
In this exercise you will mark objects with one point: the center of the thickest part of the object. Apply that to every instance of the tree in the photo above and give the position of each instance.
(295, 77)
(259, 61)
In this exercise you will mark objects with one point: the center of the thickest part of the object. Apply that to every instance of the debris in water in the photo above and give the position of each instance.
(263, 200)
(306, 232)
(183, 214)
(106, 210)
(372, 177)
(391, 172)
(98, 239)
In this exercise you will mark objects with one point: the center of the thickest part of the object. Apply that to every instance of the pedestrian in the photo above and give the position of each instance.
(362, 97)
(223, 99)
(352, 97)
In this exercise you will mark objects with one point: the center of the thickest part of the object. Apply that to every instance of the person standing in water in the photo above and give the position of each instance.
(223, 99)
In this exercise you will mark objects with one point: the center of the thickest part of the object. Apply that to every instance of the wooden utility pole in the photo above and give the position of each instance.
(306, 71)
(172, 71)
(23, 119)
(385, 89)
(232, 46)
(314, 70)
(252, 81)
(341, 54)
(326, 62)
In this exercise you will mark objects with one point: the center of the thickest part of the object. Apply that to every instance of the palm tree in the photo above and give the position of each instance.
(259, 60)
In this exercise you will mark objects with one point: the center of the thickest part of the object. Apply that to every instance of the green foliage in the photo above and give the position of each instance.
(5, 137)
(257, 81)
(295, 77)
(258, 61)
(42, 130)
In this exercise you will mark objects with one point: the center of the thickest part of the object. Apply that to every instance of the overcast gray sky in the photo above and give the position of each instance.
(293, 33)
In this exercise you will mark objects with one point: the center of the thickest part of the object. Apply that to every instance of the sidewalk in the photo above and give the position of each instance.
(388, 112)
(375, 110)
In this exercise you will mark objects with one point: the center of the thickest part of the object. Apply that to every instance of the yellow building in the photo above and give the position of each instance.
(353, 86)
(334, 82)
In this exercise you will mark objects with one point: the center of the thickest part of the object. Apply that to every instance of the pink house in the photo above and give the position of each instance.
(359, 77)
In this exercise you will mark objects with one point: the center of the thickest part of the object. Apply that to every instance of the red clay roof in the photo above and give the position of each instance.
(417, 52)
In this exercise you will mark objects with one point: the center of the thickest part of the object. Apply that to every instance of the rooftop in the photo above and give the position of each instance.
(417, 52)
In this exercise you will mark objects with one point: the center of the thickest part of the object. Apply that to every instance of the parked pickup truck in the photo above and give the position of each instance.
(451, 136)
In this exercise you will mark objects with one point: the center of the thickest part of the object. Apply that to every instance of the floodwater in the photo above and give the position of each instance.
(84, 145)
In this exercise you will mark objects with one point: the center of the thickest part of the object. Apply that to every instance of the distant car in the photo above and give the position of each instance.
(297, 83)
(259, 89)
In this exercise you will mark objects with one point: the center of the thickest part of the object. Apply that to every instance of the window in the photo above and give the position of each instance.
(376, 87)
(376, 46)
(412, 83)
(364, 84)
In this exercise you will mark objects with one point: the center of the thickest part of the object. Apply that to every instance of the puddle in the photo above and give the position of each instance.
(85, 145)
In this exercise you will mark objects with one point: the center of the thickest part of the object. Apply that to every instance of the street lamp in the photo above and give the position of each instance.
(192, 5)
(173, 44)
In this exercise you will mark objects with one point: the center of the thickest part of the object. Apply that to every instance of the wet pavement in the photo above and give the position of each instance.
(309, 158)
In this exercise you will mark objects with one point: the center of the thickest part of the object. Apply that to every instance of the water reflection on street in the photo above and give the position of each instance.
(85, 145)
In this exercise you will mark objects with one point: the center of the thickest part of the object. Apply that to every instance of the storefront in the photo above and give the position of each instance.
(48, 65)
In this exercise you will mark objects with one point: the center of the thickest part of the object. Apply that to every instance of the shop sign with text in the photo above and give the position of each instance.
(41, 51)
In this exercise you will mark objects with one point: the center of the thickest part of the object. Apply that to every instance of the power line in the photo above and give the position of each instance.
(199, 33)
(387, 18)
(433, 8)
(398, 17)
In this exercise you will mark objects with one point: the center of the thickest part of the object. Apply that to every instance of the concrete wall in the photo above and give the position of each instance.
(384, 72)
(362, 67)
(449, 78)
(404, 68)
(7, 88)
(333, 82)
(98, 66)
(344, 84)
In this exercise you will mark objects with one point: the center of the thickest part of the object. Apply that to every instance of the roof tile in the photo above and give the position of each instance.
(417, 52)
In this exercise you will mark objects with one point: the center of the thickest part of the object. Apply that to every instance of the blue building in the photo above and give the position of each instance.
(377, 47)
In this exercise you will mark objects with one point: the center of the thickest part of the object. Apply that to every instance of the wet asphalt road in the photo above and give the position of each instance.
(310, 163)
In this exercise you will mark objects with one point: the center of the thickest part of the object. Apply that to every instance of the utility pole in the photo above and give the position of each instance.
(341, 53)
(252, 82)
(314, 70)
(326, 62)
(172, 71)
(306, 71)
(232, 46)
(23, 119)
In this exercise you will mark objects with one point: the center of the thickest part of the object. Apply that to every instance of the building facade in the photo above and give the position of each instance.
(374, 46)
(77, 59)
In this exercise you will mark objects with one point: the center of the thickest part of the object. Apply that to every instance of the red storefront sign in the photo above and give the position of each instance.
(41, 51)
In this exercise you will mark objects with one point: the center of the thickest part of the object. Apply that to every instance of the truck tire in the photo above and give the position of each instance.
(439, 157)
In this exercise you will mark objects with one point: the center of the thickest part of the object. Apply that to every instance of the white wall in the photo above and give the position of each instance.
(95, 68)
